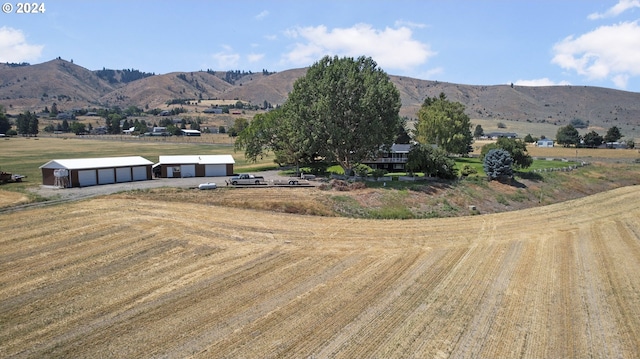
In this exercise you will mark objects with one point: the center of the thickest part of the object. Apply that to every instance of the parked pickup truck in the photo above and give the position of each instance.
(246, 179)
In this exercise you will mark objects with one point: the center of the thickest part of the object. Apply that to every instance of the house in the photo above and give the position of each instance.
(65, 116)
(545, 143)
(496, 135)
(194, 166)
(82, 172)
(393, 160)
(216, 110)
(617, 145)
(100, 130)
(158, 131)
(190, 132)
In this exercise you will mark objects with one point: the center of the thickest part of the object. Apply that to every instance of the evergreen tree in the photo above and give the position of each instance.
(497, 164)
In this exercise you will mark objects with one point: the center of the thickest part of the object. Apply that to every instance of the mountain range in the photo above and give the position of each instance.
(34, 87)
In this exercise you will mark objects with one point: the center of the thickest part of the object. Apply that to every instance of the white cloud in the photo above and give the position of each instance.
(540, 82)
(226, 59)
(262, 15)
(14, 47)
(255, 57)
(390, 48)
(608, 52)
(617, 9)
(430, 74)
(400, 23)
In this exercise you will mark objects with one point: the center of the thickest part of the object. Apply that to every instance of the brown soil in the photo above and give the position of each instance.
(124, 276)
(8, 198)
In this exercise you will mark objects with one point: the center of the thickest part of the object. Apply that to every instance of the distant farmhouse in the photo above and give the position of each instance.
(545, 143)
(496, 135)
(215, 110)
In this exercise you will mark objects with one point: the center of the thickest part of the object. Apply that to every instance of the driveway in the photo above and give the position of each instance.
(83, 192)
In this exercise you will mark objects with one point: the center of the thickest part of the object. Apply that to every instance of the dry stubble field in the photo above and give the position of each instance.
(127, 277)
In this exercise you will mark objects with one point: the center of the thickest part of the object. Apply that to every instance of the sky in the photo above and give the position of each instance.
(473, 42)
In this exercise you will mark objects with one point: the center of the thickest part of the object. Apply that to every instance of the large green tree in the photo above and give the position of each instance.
(274, 132)
(444, 123)
(613, 134)
(5, 125)
(592, 139)
(346, 108)
(431, 161)
(27, 124)
(567, 136)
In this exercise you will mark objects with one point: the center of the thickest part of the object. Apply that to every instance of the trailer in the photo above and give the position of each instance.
(9, 177)
(292, 181)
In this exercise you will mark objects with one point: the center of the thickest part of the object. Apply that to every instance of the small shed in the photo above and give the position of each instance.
(83, 172)
(194, 166)
(545, 143)
(190, 132)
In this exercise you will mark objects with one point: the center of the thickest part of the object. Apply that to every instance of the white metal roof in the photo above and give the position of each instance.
(199, 159)
(105, 162)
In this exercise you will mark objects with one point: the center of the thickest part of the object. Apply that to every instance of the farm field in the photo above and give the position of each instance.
(129, 276)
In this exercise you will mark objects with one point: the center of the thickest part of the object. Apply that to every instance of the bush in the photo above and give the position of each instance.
(340, 185)
(467, 171)
(497, 164)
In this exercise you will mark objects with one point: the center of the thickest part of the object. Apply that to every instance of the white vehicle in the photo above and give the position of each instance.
(208, 185)
(246, 179)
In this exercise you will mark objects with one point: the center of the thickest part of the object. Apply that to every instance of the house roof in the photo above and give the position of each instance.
(190, 131)
(199, 159)
(501, 134)
(105, 162)
(400, 148)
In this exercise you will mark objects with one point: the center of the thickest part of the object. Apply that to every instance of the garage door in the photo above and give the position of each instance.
(140, 173)
(215, 170)
(188, 171)
(106, 176)
(87, 178)
(123, 174)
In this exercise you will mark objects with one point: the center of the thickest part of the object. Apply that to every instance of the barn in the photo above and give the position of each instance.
(83, 172)
(194, 166)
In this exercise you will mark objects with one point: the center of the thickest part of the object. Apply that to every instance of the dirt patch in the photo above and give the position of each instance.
(8, 198)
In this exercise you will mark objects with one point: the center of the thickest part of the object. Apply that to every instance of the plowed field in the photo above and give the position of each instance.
(125, 277)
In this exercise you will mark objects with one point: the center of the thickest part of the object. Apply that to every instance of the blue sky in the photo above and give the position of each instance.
(537, 43)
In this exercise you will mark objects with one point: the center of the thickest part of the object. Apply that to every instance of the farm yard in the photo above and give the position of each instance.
(128, 276)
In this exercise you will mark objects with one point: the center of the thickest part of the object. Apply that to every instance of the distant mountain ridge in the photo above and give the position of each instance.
(32, 87)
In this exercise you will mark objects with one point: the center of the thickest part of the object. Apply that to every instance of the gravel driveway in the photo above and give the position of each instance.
(83, 192)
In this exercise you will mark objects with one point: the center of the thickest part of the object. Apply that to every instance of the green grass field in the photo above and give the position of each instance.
(24, 155)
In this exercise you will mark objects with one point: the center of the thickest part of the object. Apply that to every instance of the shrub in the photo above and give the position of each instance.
(497, 164)
(467, 171)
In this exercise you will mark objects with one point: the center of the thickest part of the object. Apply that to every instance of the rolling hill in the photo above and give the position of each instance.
(32, 87)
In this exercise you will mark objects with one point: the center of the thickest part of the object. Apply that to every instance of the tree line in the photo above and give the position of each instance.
(569, 136)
